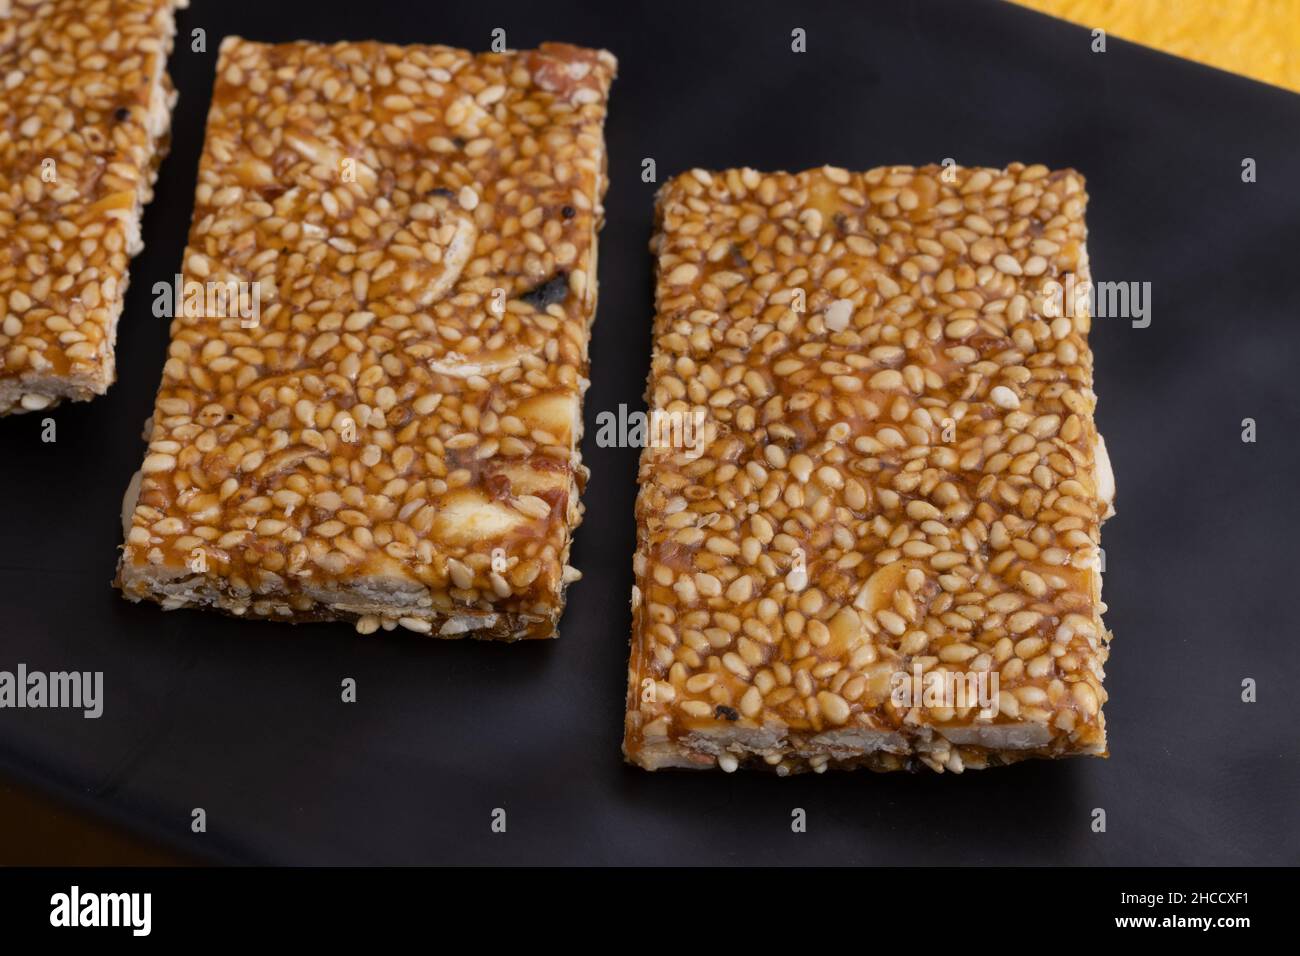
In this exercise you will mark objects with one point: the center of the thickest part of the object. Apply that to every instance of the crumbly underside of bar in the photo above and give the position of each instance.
(369, 602)
(737, 681)
(36, 389)
(467, 418)
(789, 753)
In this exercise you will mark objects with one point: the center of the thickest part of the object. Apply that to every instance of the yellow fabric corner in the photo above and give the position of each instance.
(1256, 38)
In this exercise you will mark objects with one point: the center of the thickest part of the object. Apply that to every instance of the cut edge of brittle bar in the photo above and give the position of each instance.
(362, 534)
(84, 359)
(790, 671)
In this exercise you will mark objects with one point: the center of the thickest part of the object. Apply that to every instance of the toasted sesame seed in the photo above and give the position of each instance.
(1007, 264)
(683, 274)
(1003, 397)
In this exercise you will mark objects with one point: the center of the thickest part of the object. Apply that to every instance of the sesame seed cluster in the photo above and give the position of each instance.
(395, 440)
(86, 110)
(901, 474)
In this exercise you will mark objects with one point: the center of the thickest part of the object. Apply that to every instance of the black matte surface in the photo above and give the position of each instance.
(244, 719)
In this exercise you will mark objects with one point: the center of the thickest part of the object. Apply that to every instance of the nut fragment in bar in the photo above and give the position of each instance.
(883, 551)
(86, 106)
(374, 412)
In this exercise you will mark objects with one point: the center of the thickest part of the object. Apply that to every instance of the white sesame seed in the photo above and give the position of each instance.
(1004, 397)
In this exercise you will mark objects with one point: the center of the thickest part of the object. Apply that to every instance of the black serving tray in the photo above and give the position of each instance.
(244, 719)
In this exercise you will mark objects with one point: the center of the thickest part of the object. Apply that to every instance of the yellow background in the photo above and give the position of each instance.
(1257, 38)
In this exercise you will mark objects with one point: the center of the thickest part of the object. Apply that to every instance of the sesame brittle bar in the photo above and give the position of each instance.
(886, 555)
(394, 439)
(86, 105)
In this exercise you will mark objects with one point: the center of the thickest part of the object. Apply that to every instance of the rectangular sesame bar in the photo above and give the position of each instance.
(393, 438)
(884, 554)
(87, 106)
